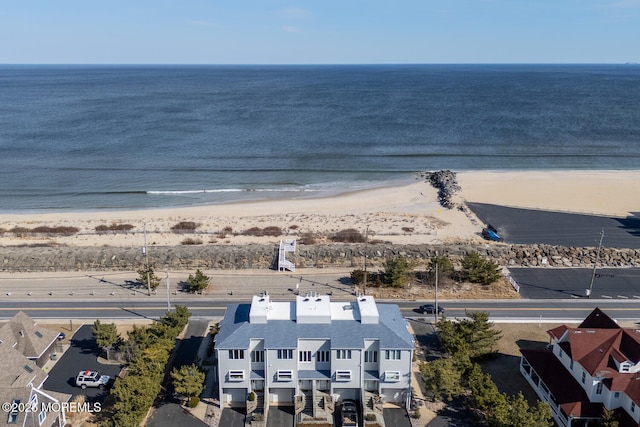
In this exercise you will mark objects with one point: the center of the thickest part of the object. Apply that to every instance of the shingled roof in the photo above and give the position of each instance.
(599, 345)
(27, 336)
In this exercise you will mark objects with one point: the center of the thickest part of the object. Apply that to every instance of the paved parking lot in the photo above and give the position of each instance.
(529, 226)
(81, 355)
(547, 283)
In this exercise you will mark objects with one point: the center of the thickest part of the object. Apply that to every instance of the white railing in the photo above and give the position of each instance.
(283, 262)
(506, 273)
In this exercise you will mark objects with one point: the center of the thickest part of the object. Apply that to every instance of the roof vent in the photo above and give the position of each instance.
(21, 333)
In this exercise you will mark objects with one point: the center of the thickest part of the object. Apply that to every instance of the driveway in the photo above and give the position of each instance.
(396, 417)
(232, 417)
(82, 355)
(280, 416)
(172, 414)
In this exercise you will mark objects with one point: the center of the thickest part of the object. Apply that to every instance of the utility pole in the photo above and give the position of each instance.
(146, 260)
(435, 310)
(595, 264)
(366, 240)
(168, 293)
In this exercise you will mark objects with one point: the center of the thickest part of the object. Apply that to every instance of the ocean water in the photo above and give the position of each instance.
(131, 137)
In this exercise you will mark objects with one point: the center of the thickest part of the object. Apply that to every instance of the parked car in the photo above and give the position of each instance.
(349, 413)
(91, 379)
(490, 233)
(430, 309)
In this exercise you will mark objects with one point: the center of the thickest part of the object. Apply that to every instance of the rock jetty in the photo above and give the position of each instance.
(446, 182)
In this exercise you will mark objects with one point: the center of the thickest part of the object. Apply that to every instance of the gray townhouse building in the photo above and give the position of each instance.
(300, 351)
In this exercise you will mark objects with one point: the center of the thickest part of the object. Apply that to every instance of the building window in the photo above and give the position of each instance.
(236, 354)
(584, 377)
(13, 415)
(599, 388)
(392, 376)
(42, 416)
(235, 375)
(304, 356)
(392, 354)
(616, 394)
(284, 375)
(257, 356)
(624, 367)
(371, 356)
(571, 365)
(343, 354)
(285, 354)
(633, 406)
(343, 375)
(559, 353)
(323, 356)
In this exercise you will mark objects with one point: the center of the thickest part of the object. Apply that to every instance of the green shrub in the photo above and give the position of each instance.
(251, 397)
(193, 401)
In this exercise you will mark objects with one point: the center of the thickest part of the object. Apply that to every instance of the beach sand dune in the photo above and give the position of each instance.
(405, 214)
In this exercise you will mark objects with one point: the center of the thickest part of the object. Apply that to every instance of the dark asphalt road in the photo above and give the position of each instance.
(83, 354)
(528, 226)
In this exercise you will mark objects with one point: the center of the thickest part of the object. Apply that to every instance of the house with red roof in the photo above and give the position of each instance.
(586, 369)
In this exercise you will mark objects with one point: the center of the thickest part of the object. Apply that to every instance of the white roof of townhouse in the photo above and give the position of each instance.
(281, 324)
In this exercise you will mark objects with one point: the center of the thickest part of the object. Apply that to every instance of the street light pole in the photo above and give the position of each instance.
(595, 264)
(366, 240)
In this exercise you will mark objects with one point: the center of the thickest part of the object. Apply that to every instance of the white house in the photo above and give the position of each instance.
(586, 369)
(300, 351)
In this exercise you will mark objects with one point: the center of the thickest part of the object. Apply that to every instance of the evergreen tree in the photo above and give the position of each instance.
(485, 393)
(445, 267)
(479, 333)
(106, 334)
(441, 378)
(153, 281)
(188, 380)
(397, 272)
(479, 270)
(198, 282)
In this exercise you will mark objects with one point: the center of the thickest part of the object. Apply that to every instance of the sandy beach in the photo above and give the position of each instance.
(405, 214)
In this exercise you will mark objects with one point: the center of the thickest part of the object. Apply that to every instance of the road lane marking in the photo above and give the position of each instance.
(101, 308)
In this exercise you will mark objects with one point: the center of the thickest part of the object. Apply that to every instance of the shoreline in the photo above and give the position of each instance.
(399, 214)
